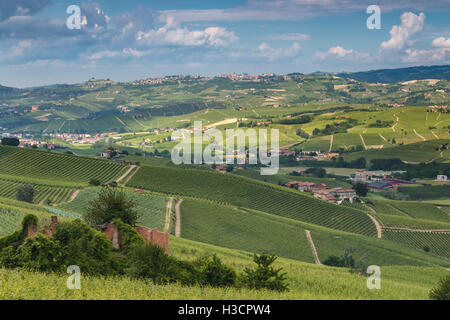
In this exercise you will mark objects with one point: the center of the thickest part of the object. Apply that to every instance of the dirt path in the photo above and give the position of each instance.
(313, 248)
(126, 174)
(381, 136)
(420, 136)
(178, 219)
(168, 215)
(396, 122)
(363, 142)
(74, 195)
(435, 135)
(125, 125)
(331, 143)
(377, 225)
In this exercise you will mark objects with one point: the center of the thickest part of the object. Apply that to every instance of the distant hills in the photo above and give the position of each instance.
(400, 75)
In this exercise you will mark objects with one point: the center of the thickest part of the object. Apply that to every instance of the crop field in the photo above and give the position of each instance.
(435, 242)
(150, 206)
(53, 166)
(43, 193)
(247, 193)
(408, 222)
(238, 229)
(254, 231)
(421, 211)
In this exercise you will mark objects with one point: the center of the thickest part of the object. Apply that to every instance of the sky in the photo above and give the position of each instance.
(127, 40)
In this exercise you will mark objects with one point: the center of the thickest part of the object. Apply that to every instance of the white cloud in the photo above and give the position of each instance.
(290, 36)
(441, 42)
(266, 51)
(401, 34)
(339, 52)
(125, 53)
(171, 34)
(434, 55)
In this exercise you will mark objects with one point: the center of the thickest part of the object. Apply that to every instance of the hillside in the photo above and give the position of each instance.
(400, 74)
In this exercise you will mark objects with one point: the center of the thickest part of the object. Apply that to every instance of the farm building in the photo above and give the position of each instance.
(301, 185)
(441, 177)
(110, 153)
(335, 194)
(388, 184)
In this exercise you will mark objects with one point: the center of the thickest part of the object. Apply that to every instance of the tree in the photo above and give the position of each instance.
(361, 189)
(10, 142)
(442, 290)
(109, 205)
(25, 192)
(264, 276)
(94, 182)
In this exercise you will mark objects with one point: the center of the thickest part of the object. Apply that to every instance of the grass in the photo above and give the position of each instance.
(306, 282)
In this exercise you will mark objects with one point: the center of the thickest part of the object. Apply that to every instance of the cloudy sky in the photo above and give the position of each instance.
(134, 39)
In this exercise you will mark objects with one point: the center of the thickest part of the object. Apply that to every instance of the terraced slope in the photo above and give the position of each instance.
(152, 207)
(256, 231)
(247, 193)
(52, 166)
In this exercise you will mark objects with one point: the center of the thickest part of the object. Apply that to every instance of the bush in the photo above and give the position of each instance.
(334, 261)
(442, 290)
(149, 262)
(264, 276)
(129, 236)
(10, 142)
(25, 192)
(94, 182)
(85, 247)
(109, 205)
(40, 253)
(214, 273)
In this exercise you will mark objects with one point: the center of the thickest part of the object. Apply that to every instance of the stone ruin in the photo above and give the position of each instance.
(111, 231)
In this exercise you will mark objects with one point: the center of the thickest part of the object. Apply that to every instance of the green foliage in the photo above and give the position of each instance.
(94, 182)
(214, 272)
(442, 290)
(85, 247)
(361, 189)
(149, 262)
(334, 261)
(129, 236)
(25, 192)
(109, 205)
(264, 276)
(14, 142)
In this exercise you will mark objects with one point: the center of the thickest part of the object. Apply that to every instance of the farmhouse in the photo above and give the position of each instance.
(301, 185)
(222, 169)
(436, 108)
(385, 184)
(335, 194)
(441, 177)
(110, 153)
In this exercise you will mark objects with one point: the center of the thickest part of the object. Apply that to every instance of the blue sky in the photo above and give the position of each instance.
(133, 39)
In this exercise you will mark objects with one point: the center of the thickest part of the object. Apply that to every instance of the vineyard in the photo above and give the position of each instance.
(238, 229)
(256, 231)
(52, 166)
(434, 242)
(152, 207)
(247, 193)
(44, 194)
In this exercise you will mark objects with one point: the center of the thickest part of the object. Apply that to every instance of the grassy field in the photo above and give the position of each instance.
(306, 282)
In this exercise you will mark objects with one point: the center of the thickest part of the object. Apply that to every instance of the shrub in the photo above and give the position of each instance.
(10, 142)
(40, 253)
(129, 236)
(149, 261)
(109, 205)
(214, 273)
(94, 182)
(25, 192)
(264, 276)
(334, 261)
(442, 290)
(85, 247)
